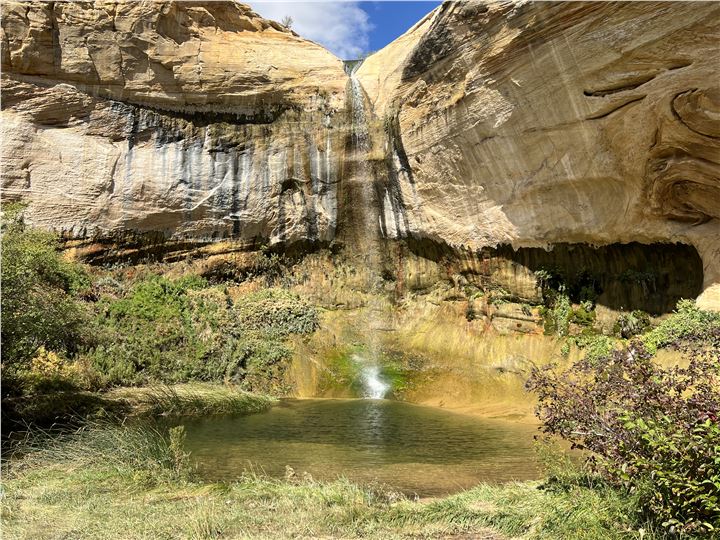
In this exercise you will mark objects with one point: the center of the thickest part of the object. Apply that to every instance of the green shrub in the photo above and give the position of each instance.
(161, 330)
(264, 367)
(48, 372)
(174, 331)
(681, 465)
(645, 279)
(550, 279)
(595, 345)
(650, 430)
(583, 315)
(276, 311)
(631, 324)
(557, 316)
(39, 307)
(687, 320)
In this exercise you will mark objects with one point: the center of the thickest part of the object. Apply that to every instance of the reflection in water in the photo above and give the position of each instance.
(407, 447)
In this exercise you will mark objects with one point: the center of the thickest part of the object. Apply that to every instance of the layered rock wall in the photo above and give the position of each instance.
(183, 120)
(527, 124)
(536, 123)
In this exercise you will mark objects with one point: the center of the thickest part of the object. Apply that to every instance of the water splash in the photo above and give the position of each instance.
(374, 387)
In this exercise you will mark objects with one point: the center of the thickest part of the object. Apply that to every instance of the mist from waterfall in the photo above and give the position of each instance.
(374, 387)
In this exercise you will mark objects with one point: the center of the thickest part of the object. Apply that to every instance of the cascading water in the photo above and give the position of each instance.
(365, 234)
(359, 117)
(374, 387)
(361, 180)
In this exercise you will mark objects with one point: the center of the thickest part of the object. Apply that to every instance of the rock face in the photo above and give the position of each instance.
(536, 123)
(182, 119)
(489, 123)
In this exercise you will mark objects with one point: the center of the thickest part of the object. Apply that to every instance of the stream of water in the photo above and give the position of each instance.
(409, 448)
(373, 385)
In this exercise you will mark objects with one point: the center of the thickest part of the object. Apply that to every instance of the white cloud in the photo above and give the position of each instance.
(341, 27)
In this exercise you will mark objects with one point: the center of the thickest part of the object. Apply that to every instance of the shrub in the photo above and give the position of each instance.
(649, 429)
(631, 324)
(583, 315)
(39, 308)
(595, 345)
(681, 465)
(549, 279)
(646, 280)
(49, 372)
(687, 320)
(558, 293)
(174, 331)
(557, 316)
(60, 331)
(278, 312)
(160, 330)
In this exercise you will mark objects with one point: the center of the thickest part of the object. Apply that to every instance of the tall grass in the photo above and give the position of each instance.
(199, 400)
(124, 449)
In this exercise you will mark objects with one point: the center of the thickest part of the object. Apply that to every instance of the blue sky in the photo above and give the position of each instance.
(392, 19)
(348, 29)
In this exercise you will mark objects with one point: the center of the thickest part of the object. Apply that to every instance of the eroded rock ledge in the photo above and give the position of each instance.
(491, 123)
(186, 121)
(541, 123)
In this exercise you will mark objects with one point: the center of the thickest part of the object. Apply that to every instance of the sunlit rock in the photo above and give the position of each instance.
(527, 124)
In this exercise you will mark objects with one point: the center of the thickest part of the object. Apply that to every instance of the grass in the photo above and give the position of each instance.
(74, 407)
(192, 399)
(132, 482)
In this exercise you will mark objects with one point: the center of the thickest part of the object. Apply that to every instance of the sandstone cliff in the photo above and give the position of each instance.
(195, 120)
(536, 123)
(489, 123)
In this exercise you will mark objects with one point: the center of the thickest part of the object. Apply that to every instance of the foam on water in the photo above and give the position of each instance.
(375, 387)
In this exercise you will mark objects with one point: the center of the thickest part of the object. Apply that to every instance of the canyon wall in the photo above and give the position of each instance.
(179, 120)
(489, 124)
(536, 123)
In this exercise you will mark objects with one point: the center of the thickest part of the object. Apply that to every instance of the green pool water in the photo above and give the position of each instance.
(409, 448)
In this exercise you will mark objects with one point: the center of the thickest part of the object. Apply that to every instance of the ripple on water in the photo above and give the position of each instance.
(411, 448)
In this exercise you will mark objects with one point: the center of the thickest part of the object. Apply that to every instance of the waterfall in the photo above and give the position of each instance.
(360, 181)
(359, 117)
(365, 236)
(373, 385)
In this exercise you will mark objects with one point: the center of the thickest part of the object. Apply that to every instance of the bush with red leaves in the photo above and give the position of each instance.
(651, 430)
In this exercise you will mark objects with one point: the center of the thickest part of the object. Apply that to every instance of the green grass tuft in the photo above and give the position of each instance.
(199, 400)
